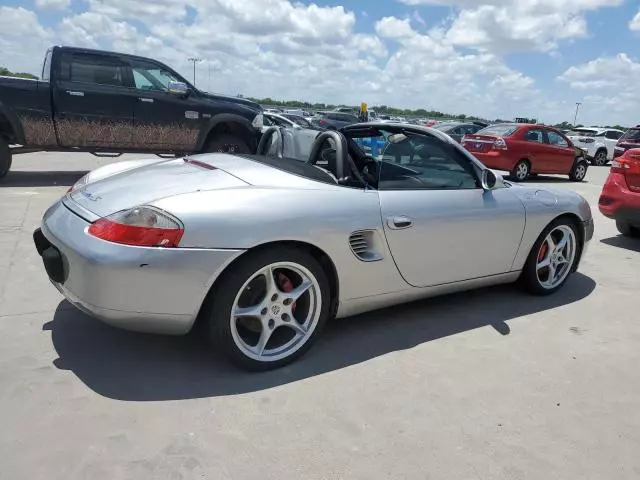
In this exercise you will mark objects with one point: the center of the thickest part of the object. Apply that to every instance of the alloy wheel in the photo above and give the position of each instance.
(581, 172)
(522, 171)
(276, 311)
(600, 158)
(556, 257)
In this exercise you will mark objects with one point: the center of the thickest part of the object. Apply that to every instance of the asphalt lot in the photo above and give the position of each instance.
(492, 384)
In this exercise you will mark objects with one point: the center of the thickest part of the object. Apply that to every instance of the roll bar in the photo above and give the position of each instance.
(341, 150)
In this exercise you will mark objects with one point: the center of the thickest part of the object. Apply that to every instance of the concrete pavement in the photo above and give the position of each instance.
(492, 384)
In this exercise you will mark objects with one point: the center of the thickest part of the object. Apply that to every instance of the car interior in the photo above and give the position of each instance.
(403, 159)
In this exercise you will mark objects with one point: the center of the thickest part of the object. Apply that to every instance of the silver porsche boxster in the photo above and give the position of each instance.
(263, 249)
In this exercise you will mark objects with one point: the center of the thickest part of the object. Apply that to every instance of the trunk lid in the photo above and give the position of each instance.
(479, 143)
(151, 182)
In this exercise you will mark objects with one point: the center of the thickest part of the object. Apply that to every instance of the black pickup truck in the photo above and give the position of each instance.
(111, 103)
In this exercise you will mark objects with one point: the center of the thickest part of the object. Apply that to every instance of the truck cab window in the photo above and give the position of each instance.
(94, 69)
(149, 76)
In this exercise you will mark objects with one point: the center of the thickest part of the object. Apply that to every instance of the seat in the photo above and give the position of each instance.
(329, 161)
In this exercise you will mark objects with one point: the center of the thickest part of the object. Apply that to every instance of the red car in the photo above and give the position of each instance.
(526, 149)
(631, 139)
(620, 197)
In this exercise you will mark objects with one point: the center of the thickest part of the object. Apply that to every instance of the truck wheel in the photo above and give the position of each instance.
(600, 158)
(226, 143)
(5, 158)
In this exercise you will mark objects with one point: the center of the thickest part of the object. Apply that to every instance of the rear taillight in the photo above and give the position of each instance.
(499, 144)
(141, 227)
(629, 166)
(586, 140)
(323, 122)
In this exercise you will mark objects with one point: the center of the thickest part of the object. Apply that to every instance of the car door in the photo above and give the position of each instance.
(441, 226)
(93, 101)
(611, 138)
(537, 150)
(562, 152)
(164, 121)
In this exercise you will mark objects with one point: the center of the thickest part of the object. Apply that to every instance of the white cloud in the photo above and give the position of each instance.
(289, 50)
(23, 41)
(517, 25)
(53, 4)
(634, 24)
(609, 87)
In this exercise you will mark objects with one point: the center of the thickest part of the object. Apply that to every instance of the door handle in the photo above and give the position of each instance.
(75, 93)
(399, 222)
(145, 100)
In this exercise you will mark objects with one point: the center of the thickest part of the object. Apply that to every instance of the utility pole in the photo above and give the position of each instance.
(575, 118)
(194, 60)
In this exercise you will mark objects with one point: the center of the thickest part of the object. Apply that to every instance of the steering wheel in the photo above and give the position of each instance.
(270, 136)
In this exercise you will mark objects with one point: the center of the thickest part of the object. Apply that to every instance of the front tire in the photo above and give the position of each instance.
(627, 230)
(578, 171)
(269, 308)
(5, 158)
(552, 258)
(521, 171)
(226, 143)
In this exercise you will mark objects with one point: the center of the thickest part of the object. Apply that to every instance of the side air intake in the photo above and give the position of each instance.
(363, 245)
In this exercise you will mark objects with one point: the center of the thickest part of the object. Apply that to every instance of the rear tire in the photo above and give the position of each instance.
(534, 271)
(226, 143)
(579, 170)
(244, 287)
(627, 230)
(600, 158)
(521, 171)
(5, 158)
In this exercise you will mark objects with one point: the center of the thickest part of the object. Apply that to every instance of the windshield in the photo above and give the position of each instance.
(499, 130)
(414, 161)
(582, 133)
(632, 135)
(445, 127)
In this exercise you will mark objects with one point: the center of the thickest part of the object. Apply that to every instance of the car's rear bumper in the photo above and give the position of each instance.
(495, 160)
(157, 290)
(618, 202)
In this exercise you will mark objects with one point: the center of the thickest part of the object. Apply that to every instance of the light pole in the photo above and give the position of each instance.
(194, 60)
(575, 118)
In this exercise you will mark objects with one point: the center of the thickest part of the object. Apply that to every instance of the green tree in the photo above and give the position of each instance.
(5, 72)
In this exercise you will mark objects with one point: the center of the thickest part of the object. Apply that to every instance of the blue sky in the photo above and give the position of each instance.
(494, 58)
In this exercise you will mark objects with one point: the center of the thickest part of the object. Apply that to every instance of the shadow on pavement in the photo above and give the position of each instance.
(136, 367)
(620, 241)
(23, 178)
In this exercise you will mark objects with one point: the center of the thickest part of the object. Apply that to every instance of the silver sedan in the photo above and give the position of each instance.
(262, 250)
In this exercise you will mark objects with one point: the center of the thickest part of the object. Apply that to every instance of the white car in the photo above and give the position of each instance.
(597, 143)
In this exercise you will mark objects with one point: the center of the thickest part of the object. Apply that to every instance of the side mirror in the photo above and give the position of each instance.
(178, 88)
(488, 179)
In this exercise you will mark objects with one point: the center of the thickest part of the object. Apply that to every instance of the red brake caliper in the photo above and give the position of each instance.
(286, 286)
(543, 251)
